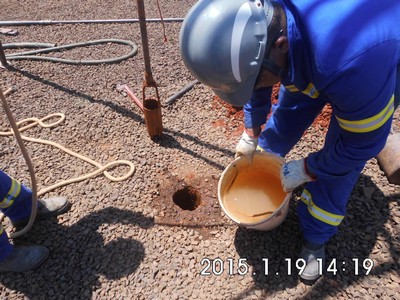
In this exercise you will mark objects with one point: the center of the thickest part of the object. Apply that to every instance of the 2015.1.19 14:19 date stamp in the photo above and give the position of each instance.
(232, 266)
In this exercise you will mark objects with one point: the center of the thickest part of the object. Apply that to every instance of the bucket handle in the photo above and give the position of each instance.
(150, 84)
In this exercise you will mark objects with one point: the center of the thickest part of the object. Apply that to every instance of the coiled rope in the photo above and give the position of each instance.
(34, 122)
(33, 55)
(101, 168)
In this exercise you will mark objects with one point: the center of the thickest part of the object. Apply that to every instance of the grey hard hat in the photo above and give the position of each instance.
(222, 43)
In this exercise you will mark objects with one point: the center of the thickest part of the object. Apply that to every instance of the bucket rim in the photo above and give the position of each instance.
(278, 210)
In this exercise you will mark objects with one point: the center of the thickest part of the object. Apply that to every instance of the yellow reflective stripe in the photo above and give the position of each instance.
(11, 195)
(369, 124)
(309, 91)
(319, 213)
(7, 202)
(291, 88)
(261, 149)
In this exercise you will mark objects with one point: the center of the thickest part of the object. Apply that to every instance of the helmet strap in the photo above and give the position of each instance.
(273, 67)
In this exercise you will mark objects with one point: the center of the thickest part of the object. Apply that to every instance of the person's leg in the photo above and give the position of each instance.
(5, 246)
(24, 258)
(16, 202)
(17, 258)
(322, 209)
(293, 114)
(15, 198)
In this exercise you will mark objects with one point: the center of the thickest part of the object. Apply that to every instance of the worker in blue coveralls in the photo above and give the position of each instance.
(16, 204)
(344, 53)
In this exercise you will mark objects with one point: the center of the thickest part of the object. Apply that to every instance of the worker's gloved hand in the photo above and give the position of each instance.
(247, 145)
(294, 174)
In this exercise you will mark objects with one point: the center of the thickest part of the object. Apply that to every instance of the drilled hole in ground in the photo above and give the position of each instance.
(187, 198)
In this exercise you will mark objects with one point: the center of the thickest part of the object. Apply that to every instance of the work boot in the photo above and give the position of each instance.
(47, 208)
(23, 259)
(310, 253)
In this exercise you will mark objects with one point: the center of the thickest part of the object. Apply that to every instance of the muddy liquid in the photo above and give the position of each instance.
(253, 193)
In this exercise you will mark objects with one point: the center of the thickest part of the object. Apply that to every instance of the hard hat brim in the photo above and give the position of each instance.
(239, 96)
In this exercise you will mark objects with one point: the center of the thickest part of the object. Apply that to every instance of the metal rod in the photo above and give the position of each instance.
(3, 59)
(52, 22)
(145, 44)
(181, 92)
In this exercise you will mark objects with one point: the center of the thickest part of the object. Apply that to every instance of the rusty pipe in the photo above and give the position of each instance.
(151, 110)
(124, 88)
(134, 98)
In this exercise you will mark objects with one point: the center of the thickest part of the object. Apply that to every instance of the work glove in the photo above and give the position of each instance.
(294, 174)
(247, 145)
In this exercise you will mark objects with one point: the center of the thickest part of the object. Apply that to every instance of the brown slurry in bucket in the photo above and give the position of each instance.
(254, 195)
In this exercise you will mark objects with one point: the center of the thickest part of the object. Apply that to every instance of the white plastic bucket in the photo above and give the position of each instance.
(250, 192)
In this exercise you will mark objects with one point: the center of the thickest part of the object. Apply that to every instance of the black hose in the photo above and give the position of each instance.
(31, 55)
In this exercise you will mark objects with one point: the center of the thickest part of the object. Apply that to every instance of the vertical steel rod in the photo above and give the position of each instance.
(3, 59)
(145, 44)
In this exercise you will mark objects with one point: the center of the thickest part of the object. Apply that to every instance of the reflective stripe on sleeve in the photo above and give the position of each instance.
(369, 124)
(291, 88)
(310, 90)
(11, 195)
(319, 213)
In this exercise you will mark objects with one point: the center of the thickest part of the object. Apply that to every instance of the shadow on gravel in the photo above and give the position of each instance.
(169, 141)
(166, 140)
(367, 232)
(79, 255)
(76, 93)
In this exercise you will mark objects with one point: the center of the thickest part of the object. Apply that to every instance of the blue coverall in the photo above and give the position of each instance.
(16, 204)
(345, 53)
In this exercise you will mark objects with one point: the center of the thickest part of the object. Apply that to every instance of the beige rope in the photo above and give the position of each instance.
(100, 168)
(27, 158)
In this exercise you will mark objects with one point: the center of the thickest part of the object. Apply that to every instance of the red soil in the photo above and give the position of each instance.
(234, 125)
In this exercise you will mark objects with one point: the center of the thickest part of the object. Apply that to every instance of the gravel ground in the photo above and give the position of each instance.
(128, 239)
